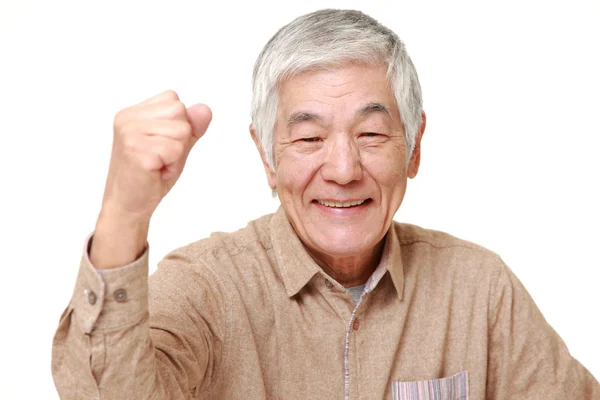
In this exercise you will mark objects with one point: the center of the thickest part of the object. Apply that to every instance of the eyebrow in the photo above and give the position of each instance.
(372, 108)
(304, 116)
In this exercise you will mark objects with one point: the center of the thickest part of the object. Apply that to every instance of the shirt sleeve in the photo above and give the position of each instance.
(527, 358)
(107, 344)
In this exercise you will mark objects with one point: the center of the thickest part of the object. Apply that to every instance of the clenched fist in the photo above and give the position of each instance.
(151, 143)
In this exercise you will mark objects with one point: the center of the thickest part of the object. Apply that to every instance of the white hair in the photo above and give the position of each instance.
(328, 39)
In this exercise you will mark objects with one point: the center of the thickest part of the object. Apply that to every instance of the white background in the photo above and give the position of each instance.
(510, 155)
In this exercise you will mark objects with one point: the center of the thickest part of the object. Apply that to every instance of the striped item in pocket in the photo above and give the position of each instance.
(451, 388)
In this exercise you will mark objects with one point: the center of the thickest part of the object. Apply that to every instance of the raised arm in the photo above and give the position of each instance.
(151, 143)
(104, 346)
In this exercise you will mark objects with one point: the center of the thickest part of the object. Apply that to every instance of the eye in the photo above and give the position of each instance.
(369, 134)
(310, 139)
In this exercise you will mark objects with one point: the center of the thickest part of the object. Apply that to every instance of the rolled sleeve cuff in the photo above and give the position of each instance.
(110, 298)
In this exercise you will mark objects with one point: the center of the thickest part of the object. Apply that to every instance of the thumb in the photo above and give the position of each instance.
(199, 116)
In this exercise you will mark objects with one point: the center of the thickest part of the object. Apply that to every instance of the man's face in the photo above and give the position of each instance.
(341, 160)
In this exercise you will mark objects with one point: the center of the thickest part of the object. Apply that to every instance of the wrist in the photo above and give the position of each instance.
(118, 240)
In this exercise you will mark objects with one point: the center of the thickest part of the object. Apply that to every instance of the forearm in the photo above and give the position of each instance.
(114, 346)
(102, 346)
(118, 240)
(101, 309)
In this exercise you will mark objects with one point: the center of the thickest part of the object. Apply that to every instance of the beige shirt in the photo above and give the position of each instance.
(249, 315)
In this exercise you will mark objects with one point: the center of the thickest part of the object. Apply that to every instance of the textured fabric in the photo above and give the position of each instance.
(249, 315)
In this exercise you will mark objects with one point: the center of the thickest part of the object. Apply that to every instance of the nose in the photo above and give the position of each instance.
(342, 163)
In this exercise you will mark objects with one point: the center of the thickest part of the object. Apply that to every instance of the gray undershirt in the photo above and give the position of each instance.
(356, 291)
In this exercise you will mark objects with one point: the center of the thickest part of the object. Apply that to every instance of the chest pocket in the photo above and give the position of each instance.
(451, 388)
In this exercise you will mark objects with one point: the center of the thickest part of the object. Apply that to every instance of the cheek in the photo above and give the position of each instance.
(389, 172)
(294, 174)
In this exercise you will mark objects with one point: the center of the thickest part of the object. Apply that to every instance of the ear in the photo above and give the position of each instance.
(271, 176)
(415, 158)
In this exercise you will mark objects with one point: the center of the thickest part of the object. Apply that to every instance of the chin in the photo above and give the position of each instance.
(345, 244)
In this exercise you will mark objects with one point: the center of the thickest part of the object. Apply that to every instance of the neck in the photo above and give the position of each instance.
(352, 270)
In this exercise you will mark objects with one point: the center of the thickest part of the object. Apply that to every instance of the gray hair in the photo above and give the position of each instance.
(328, 39)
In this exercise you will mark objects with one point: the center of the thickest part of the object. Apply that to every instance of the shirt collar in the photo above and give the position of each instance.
(298, 268)
(391, 261)
(296, 265)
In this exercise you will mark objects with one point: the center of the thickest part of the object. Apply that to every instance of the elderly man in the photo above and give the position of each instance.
(327, 298)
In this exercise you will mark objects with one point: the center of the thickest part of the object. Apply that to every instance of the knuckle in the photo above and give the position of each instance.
(149, 161)
(169, 151)
(171, 95)
(178, 148)
(176, 152)
(184, 130)
(126, 130)
(173, 110)
(119, 127)
(120, 118)
(130, 143)
(177, 109)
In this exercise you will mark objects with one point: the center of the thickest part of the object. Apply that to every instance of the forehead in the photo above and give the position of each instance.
(348, 87)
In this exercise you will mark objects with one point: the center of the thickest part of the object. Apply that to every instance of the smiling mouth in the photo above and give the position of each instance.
(345, 204)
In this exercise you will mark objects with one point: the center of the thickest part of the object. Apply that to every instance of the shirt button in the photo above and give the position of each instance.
(356, 324)
(120, 295)
(328, 283)
(92, 298)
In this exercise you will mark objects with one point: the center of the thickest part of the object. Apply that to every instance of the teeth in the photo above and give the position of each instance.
(336, 204)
